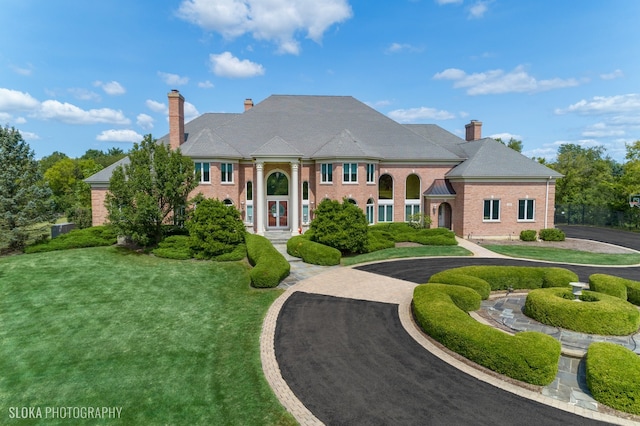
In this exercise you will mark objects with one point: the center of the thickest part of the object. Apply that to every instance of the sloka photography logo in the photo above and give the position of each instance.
(65, 412)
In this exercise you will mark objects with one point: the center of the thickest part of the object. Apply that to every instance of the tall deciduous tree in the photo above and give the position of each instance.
(514, 144)
(24, 198)
(146, 193)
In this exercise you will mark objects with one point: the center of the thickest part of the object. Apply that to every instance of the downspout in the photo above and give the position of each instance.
(546, 206)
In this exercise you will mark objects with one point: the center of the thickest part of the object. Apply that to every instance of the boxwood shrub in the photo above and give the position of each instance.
(628, 290)
(441, 311)
(269, 266)
(312, 252)
(528, 235)
(518, 277)
(599, 313)
(78, 238)
(551, 234)
(452, 277)
(613, 376)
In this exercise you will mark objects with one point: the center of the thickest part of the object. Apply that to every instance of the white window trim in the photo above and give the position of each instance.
(350, 165)
(413, 203)
(195, 170)
(226, 182)
(385, 203)
(533, 219)
(492, 200)
(326, 166)
(373, 173)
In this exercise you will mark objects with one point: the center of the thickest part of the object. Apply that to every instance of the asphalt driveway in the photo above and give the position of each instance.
(351, 362)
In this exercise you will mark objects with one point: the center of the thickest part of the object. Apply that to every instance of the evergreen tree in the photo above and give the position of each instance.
(25, 200)
(148, 192)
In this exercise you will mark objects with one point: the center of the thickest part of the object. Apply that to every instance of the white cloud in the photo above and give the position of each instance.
(612, 75)
(13, 100)
(157, 106)
(112, 88)
(84, 94)
(145, 121)
(401, 47)
(206, 85)
(505, 136)
(173, 79)
(603, 130)
(26, 71)
(478, 10)
(227, 65)
(119, 136)
(190, 112)
(278, 21)
(629, 103)
(413, 115)
(498, 81)
(29, 136)
(71, 114)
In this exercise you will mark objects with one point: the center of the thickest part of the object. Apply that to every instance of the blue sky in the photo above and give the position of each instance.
(77, 74)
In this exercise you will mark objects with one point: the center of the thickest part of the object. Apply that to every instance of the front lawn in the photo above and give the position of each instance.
(565, 255)
(171, 342)
(403, 252)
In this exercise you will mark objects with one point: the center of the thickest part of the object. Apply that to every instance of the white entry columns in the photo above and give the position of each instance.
(260, 200)
(295, 199)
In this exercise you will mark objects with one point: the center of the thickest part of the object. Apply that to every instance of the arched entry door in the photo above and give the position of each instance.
(444, 216)
(277, 201)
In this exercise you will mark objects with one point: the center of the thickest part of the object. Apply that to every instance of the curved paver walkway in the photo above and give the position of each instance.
(363, 285)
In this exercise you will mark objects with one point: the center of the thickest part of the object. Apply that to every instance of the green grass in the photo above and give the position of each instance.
(565, 255)
(171, 342)
(400, 252)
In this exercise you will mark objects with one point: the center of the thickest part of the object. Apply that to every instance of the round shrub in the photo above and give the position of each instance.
(552, 234)
(598, 313)
(528, 235)
(608, 284)
(441, 311)
(214, 228)
(342, 226)
(613, 376)
(312, 252)
(269, 266)
(451, 277)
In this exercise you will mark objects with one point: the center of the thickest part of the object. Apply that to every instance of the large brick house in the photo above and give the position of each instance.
(278, 159)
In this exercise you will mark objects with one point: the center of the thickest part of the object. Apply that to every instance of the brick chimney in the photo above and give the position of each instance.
(474, 130)
(248, 104)
(176, 119)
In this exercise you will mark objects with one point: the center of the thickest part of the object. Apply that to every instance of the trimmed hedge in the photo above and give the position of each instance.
(174, 247)
(599, 313)
(312, 252)
(518, 277)
(551, 234)
(622, 288)
(528, 235)
(450, 276)
(404, 232)
(269, 266)
(78, 238)
(441, 311)
(613, 376)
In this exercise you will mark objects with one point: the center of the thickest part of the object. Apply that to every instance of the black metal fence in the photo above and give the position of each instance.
(581, 214)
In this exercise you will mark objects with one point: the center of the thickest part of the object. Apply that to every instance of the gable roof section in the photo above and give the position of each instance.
(345, 145)
(488, 158)
(276, 147)
(440, 136)
(207, 143)
(104, 175)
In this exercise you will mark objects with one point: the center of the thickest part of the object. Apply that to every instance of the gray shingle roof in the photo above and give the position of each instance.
(489, 158)
(104, 175)
(345, 145)
(440, 187)
(276, 147)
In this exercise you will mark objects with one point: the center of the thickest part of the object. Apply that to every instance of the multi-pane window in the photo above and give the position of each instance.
(249, 213)
(305, 202)
(371, 173)
(385, 212)
(202, 170)
(411, 212)
(526, 209)
(369, 211)
(326, 173)
(491, 210)
(350, 172)
(226, 172)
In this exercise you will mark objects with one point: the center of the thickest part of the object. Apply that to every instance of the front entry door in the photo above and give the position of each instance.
(278, 214)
